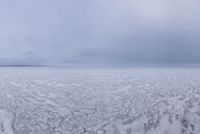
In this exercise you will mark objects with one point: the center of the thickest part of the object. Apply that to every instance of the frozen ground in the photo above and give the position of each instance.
(99, 101)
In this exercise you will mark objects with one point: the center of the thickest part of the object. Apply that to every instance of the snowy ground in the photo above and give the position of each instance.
(99, 101)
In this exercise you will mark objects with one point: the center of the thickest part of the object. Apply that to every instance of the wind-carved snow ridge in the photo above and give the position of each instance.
(99, 101)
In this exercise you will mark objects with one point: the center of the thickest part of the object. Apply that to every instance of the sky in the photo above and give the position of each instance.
(101, 32)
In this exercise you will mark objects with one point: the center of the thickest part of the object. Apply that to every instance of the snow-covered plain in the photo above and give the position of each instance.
(99, 101)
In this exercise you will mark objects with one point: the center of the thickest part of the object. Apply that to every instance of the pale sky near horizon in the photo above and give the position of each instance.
(100, 31)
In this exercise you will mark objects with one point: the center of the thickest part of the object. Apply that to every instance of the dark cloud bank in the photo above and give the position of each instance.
(99, 32)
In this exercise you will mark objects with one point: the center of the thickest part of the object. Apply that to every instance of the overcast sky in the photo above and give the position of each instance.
(99, 31)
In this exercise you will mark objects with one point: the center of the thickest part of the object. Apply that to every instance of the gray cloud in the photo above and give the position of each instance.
(99, 31)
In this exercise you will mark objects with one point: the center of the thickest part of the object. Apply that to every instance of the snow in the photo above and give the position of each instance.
(47, 100)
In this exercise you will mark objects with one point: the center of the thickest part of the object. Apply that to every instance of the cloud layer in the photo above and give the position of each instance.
(99, 31)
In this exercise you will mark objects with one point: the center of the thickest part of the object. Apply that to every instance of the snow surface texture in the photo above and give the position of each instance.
(99, 101)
